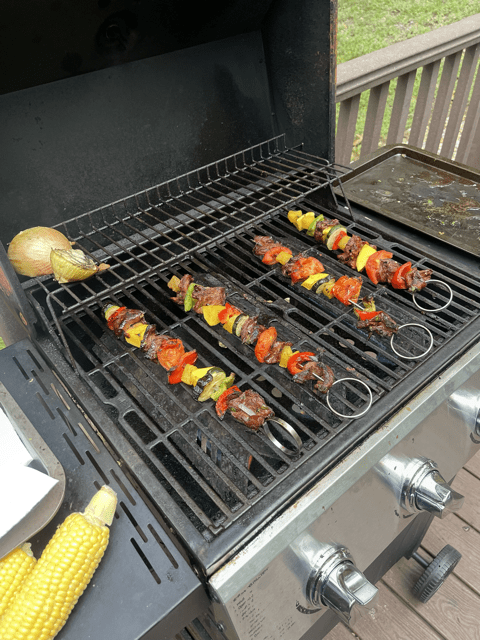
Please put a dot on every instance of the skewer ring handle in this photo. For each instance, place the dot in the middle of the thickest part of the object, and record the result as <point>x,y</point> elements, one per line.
<point>447,286</point>
<point>413,324</point>
<point>289,429</point>
<point>356,415</point>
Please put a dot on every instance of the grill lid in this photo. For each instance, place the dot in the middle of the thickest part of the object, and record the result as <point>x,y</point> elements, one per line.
<point>216,481</point>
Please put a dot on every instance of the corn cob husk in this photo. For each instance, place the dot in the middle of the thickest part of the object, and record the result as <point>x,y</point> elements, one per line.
<point>14,568</point>
<point>51,590</point>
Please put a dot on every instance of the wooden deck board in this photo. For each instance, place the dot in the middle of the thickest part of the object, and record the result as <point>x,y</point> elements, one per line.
<point>453,613</point>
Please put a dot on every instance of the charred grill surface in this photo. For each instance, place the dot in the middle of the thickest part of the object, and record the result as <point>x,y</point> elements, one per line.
<point>224,480</point>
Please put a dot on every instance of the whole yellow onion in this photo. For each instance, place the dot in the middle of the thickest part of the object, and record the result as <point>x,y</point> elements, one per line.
<point>29,251</point>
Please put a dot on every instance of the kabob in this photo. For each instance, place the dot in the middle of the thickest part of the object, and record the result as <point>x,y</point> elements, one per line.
<point>209,383</point>
<point>309,272</point>
<point>303,366</point>
<point>379,265</point>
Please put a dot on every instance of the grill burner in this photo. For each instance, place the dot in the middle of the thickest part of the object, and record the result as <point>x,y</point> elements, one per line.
<point>216,480</point>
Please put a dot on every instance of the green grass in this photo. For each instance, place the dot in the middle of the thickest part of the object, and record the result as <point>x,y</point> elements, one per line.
<point>364,27</point>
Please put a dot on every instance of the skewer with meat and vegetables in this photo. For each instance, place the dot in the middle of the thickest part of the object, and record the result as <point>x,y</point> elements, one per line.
<point>309,272</point>
<point>209,383</point>
<point>379,265</point>
<point>303,366</point>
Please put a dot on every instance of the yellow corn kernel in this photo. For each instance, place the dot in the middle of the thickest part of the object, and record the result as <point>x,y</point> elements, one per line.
<point>14,568</point>
<point>134,334</point>
<point>51,590</point>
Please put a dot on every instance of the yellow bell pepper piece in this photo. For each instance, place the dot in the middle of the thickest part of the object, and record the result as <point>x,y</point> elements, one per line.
<point>187,375</point>
<point>285,356</point>
<point>307,219</point>
<point>293,215</point>
<point>134,335</point>
<point>210,313</point>
<point>343,242</point>
<point>365,252</point>
<point>228,326</point>
<point>311,280</point>
<point>199,373</point>
<point>174,283</point>
<point>283,257</point>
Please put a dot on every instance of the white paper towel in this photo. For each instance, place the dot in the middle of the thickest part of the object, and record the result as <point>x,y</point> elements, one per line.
<point>12,449</point>
<point>21,487</point>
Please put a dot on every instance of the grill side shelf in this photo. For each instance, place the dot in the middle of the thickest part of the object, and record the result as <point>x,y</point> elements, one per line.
<point>143,577</point>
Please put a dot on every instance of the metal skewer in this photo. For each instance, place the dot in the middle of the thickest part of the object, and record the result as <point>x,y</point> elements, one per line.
<point>447,286</point>
<point>287,427</point>
<point>408,324</point>
<point>327,397</point>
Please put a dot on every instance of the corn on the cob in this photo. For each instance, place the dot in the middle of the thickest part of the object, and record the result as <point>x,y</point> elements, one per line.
<point>14,568</point>
<point>48,595</point>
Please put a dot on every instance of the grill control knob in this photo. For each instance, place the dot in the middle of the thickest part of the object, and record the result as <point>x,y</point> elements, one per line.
<point>335,582</point>
<point>427,490</point>
<point>465,403</point>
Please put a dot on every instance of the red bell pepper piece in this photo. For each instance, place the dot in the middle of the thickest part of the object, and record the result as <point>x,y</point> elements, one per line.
<point>175,376</point>
<point>264,343</point>
<point>294,363</point>
<point>221,405</point>
<point>366,315</point>
<point>346,289</point>
<point>228,312</point>
<point>302,268</point>
<point>340,235</point>
<point>271,255</point>
<point>398,279</point>
<point>170,353</point>
<point>373,263</point>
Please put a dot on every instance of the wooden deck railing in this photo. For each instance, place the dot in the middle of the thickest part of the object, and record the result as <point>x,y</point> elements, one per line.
<point>445,116</point>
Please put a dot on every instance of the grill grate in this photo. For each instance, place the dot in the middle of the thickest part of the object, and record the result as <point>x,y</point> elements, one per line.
<point>223,477</point>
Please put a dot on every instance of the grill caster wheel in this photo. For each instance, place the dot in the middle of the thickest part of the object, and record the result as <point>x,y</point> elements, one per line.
<point>436,572</point>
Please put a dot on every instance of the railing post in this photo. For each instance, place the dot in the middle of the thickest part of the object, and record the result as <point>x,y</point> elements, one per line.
<point>468,151</point>
<point>401,107</point>
<point>423,107</point>
<point>460,99</point>
<point>373,122</point>
<point>442,102</point>
<point>347,121</point>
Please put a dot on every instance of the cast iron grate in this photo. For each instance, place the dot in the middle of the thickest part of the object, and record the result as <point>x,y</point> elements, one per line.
<point>219,473</point>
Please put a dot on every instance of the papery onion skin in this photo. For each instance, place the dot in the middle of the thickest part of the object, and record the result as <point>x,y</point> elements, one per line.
<point>29,251</point>
<point>72,265</point>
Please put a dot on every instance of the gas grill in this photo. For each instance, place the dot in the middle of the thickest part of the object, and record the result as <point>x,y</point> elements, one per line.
<point>220,532</point>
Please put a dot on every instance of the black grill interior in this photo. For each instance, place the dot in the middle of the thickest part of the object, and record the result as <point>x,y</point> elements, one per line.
<point>221,476</point>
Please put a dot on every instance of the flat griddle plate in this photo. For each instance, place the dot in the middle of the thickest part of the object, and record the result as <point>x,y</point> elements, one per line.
<point>426,192</point>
